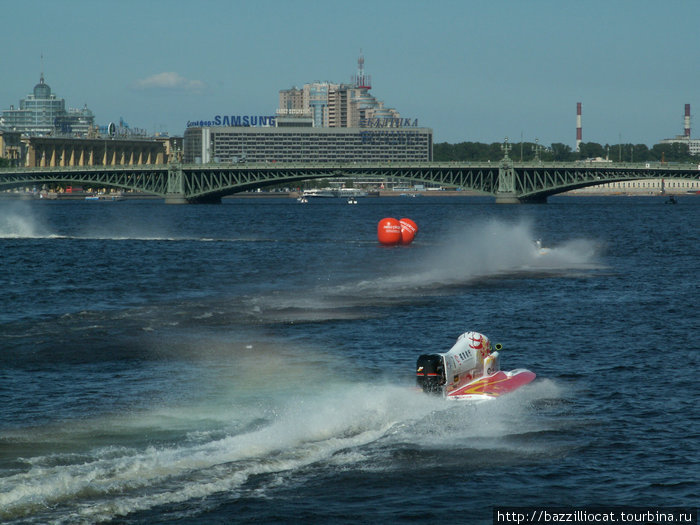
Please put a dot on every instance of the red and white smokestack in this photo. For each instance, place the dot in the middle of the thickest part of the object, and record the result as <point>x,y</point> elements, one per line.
<point>687,120</point>
<point>579,133</point>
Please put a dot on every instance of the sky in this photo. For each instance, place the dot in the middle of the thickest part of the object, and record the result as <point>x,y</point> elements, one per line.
<point>471,70</point>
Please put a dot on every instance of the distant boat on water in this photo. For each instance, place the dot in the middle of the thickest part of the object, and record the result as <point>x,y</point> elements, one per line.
<point>333,193</point>
<point>105,197</point>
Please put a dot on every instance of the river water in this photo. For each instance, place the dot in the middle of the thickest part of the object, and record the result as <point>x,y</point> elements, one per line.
<point>254,361</point>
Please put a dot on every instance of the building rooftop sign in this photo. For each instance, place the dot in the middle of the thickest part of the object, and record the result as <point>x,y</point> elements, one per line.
<point>234,121</point>
<point>388,122</point>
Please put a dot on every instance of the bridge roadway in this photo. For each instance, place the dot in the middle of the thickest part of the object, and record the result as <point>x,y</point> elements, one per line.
<point>507,181</point>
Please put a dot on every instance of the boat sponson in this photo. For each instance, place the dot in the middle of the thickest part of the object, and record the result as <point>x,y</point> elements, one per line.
<point>493,386</point>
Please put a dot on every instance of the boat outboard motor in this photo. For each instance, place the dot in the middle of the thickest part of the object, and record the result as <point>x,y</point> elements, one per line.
<point>430,373</point>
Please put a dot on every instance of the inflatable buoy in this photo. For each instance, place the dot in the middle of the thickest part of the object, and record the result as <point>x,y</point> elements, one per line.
<point>408,230</point>
<point>389,231</point>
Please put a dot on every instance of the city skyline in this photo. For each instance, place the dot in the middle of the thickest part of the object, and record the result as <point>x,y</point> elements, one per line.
<point>471,71</point>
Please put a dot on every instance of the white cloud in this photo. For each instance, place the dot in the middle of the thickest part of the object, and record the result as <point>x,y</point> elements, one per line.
<point>170,81</point>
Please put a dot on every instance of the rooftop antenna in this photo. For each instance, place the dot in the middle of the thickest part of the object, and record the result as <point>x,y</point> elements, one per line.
<point>41,77</point>
<point>361,80</point>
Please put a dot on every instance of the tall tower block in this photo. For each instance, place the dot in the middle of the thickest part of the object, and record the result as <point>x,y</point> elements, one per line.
<point>579,132</point>
<point>686,121</point>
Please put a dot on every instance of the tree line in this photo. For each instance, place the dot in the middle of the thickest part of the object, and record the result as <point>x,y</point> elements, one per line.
<point>557,152</point>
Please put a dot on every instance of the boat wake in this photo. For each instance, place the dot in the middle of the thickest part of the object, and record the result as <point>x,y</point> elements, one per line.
<point>244,443</point>
<point>17,223</point>
<point>493,248</point>
<point>482,252</point>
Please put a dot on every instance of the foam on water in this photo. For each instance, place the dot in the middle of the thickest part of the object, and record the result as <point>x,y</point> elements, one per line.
<point>471,253</point>
<point>496,247</point>
<point>20,220</point>
<point>17,221</point>
<point>341,424</point>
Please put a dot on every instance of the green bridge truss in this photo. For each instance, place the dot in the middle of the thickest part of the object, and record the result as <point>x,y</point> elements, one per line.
<point>507,181</point>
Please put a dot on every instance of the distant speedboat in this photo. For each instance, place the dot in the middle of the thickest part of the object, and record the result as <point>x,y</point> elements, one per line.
<point>541,250</point>
<point>352,200</point>
<point>352,193</point>
<point>333,192</point>
<point>320,193</point>
<point>105,197</point>
<point>469,371</point>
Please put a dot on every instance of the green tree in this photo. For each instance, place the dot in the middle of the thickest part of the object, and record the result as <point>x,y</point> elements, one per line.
<point>495,152</point>
<point>639,153</point>
<point>591,150</point>
<point>558,152</point>
<point>443,152</point>
<point>561,152</point>
<point>675,152</point>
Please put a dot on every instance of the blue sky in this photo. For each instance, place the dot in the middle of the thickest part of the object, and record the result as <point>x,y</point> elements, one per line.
<point>471,70</point>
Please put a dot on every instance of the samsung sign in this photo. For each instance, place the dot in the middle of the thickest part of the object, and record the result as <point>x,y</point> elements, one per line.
<point>234,121</point>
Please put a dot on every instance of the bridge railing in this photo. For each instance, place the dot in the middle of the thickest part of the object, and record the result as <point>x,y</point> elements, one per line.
<point>604,165</point>
<point>452,164</point>
<point>74,169</point>
<point>356,165</point>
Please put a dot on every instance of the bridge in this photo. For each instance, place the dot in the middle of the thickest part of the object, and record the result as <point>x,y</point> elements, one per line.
<point>507,181</point>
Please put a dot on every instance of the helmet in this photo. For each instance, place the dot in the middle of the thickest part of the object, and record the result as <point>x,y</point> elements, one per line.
<point>479,342</point>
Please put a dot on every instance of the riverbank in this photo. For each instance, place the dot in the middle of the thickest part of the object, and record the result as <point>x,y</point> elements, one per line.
<point>294,195</point>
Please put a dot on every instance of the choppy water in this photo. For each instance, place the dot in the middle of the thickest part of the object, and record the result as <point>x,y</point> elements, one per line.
<point>254,361</point>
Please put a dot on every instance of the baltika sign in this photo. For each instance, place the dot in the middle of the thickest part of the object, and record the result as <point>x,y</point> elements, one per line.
<point>392,138</point>
<point>388,122</point>
<point>234,121</point>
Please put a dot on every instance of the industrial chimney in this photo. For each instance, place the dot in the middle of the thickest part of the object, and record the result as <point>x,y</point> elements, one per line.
<point>579,134</point>
<point>687,121</point>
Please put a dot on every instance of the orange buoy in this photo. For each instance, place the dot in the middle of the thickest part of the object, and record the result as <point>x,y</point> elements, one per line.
<point>408,230</point>
<point>389,231</point>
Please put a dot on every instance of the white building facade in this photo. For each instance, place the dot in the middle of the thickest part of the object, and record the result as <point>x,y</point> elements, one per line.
<point>307,144</point>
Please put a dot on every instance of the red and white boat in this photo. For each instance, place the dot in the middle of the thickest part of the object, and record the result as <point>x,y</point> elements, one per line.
<point>470,370</point>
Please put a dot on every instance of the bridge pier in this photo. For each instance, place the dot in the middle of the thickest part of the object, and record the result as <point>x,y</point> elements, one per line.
<point>507,198</point>
<point>505,194</point>
<point>176,185</point>
<point>174,198</point>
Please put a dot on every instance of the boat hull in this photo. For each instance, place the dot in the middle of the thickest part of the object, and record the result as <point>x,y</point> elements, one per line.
<point>491,387</point>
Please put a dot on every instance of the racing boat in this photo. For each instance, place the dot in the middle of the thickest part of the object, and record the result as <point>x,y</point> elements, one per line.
<point>470,370</point>
<point>540,250</point>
